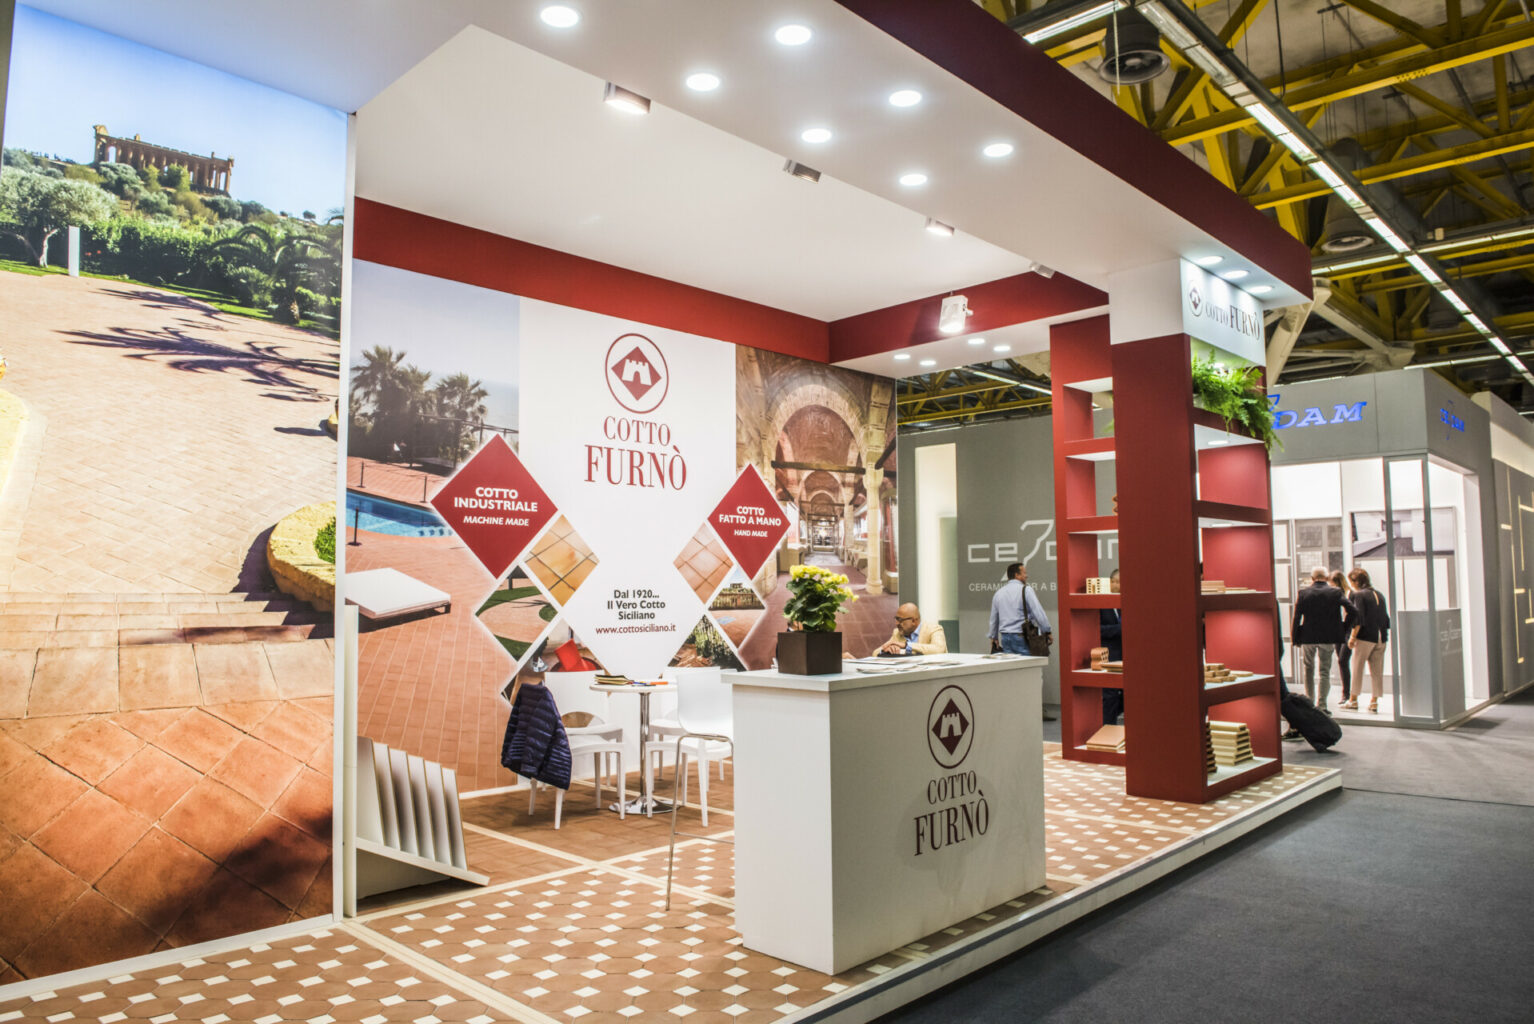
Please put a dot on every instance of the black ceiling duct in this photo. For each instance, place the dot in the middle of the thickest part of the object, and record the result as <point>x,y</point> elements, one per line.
<point>1131,50</point>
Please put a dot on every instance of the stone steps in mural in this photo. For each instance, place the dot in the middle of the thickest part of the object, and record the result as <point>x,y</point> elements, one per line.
<point>114,620</point>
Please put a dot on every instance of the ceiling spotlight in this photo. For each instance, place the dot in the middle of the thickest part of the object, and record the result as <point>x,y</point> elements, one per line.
<point>929,362</point>
<point>937,227</point>
<point>1233,275</point>
<point>560,16</point>
<point>1035,267</point>
<point>799,170</point>
<point>905,98</point>
<point>1260,289</point>
<point>793,35</point>
<point>996,150</point>
<point>951,316</point>
<point>1209,261</point>
<point>618,97</point>
<point>901,357</point>
<point>1002,348</point>
<point>815,136</point>
<point>913,179</point>
<point>703,81</point>
<point>977,341</point>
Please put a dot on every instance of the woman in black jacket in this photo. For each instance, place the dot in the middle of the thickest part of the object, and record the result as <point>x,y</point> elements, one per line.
<point>1371,629</point>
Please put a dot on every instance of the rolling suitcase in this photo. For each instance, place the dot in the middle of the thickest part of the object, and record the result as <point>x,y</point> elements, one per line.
<point>1318,728</point>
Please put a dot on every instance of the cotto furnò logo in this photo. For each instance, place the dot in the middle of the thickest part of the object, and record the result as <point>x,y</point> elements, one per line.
<point>1195,301</point>
<point>637,374</point>
<point>950,727</point>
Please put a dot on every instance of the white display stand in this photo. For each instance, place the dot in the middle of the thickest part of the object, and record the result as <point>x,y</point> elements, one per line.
<point>409,831</point>
<point>857,830</point>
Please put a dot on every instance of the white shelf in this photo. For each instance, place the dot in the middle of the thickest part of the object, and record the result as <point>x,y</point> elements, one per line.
<point>1095,386</point>
<point>1236,771</point>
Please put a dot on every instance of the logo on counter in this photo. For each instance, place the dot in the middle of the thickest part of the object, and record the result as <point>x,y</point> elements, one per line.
<point>950,727</point>
<point>637,374</point>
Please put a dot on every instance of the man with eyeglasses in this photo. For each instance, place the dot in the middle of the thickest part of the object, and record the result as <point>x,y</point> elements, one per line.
<point>912,636</point>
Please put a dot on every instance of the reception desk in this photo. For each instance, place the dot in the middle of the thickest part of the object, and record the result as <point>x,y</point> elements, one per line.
<point>873,809</point>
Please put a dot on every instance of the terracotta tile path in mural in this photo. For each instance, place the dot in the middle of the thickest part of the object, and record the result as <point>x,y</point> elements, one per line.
<point>573,924</point>
<point>864,624</point>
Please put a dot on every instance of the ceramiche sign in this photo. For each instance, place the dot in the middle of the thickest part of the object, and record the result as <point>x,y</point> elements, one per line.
<point>1217,312</point>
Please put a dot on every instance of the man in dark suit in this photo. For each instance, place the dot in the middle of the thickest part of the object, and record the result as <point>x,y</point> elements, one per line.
<point>1318,625</point>
<point>1110,629</point>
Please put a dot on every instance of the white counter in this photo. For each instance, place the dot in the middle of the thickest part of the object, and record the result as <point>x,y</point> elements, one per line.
<point>874,809</point>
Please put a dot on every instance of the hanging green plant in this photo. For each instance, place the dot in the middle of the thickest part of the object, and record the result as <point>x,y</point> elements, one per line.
<point>1237,396</point>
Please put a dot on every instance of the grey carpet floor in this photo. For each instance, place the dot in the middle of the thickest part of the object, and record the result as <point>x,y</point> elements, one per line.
<point>1407,897</point>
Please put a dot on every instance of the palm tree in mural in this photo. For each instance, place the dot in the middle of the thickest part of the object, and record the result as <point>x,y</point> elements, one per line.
<point>391,397</point>
<point>285,261</point>
<point>461,402</point>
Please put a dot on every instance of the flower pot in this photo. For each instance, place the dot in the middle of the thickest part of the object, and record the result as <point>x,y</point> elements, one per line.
<point>809,654</point>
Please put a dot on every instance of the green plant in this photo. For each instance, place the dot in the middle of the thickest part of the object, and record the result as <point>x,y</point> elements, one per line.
<point>1237,396</point>
<point>325,542</point>
<point>176,177</point>
<point>37,207</point>
<point>817,595</point>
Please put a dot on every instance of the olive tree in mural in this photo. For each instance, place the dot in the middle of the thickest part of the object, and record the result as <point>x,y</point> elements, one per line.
<point>35,207</point>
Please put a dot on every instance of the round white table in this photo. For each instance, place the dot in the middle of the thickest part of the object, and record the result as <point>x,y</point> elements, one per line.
<point>646,803</point>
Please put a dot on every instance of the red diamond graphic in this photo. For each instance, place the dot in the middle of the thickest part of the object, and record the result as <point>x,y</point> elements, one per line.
<point>749,521</point>
<point>494,505</point>
<point>636,373</point>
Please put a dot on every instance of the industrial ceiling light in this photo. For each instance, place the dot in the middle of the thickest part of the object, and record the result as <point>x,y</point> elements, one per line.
<point>816,136</point>
<point>997,150</point>
<point>1131,50</point>
<point>619,98</point>
<point>793,35</point>
<point>953,313</point>
<point>1060,16</point>
<point>1016,382</point>
<point>1343,232</point>
<point>905,98</point>
<point>937,227</point>
<point>799,170</point>
<point>560,16</point>
<point>703,81</point>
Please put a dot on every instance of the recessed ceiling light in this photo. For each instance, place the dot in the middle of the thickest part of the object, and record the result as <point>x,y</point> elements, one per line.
<point>901,357</point>
<point>1233,275</point>
<point>996,150</point>
<point>1209,261</point>
<point>815,136</point>
<point>913,179</point>
<point>560,16</point>
<point>929,362</point>
<point>977,341</point>
<point>937,227</point>
<point>1260,289</point>
<point>703,81</point>
<point>793,35</point>
<point>905,98</point>
<point>1002,348</point>
<point>619,98</point>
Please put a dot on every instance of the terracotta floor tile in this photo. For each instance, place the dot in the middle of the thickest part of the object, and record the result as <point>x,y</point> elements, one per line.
<point>320,899</point>
<point>39,622</point>
<point>150,620</point>
<point>307,803</point>
<point>142,637</point>
<point>294,731</point>
<point>157,676</point>
<point>22,639</point>
<point>36,792</point>
<point>156,879</point>
<point>91,834</point>
<point>226,906</point>
<point>15,681</point>
<point>93,749</point>
<point>199,739</point>
<point>12,754</point>
<point>211,818</point>
<point>93,930</point>
<point>279,859</point>
<point>72,680</point>
<point>146,725</point>
<point>234,672</point>
<point>37,733</point>
<point>150,782</point>
<point>83,638</point>
<point>34,891</point>
<point>256,769</point>
<point>305,669</point>
<point>244,716</point>
<point>86,622</point>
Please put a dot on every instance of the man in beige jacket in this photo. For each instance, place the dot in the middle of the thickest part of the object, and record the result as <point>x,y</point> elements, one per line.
<point>912,636</point>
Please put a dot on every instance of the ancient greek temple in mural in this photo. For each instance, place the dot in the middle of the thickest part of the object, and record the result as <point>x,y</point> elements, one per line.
<point>210,173</point>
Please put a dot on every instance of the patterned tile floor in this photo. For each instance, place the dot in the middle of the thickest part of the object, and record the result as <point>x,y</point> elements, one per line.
<point>703,563</point>
<point>561,560</point>
<point>573,926</point>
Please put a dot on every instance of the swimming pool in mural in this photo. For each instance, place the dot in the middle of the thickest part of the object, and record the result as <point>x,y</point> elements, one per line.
<point>380,515</point>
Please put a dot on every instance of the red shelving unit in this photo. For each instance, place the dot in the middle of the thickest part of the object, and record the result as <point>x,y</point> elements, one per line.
<point>1191,492</point>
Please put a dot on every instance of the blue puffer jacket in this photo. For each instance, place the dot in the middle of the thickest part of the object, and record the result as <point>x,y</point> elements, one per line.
<point>536,746</point>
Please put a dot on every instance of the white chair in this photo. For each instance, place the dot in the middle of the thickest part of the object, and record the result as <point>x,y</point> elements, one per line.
<point>587,734</point>
<point>705,710</point>
<point>704,751</point>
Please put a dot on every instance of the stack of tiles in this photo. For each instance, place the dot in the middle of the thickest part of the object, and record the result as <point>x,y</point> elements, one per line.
<point>1109,738</point>
<point>1099,655</point>
<point>1212,587</point>
<point>1099,585</point>
<point>1232,742</point>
